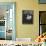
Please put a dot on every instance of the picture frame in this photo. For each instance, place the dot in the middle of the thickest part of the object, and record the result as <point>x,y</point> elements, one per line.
<point>27,17</point>
<point>42,1</point>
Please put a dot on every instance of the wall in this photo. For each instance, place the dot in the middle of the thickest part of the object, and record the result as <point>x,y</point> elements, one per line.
<point>28,31</point>
<point>32,30</point>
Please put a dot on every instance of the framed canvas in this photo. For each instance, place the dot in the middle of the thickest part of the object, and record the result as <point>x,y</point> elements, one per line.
<point>7,20</point>
<point>27,17</point>
<point>42,1</point>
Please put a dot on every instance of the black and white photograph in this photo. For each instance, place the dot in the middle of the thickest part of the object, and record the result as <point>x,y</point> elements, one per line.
<point>27,17</point>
